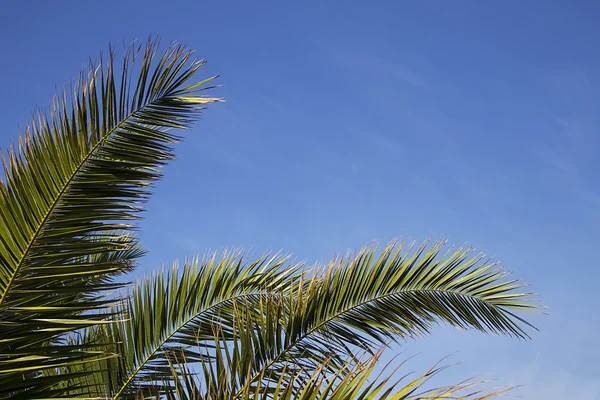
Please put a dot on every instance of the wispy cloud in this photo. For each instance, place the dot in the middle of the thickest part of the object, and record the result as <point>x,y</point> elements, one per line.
<point>548,383</point>
<point>570,146</point>
<point>371,65</point>
<point>384,143</point>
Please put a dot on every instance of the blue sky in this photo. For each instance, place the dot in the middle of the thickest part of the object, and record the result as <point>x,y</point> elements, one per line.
<point>347,122</point>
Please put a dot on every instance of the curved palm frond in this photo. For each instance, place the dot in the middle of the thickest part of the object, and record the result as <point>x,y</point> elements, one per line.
<point>78,174</point>
<point>173,311</point>
<point>312,320</point>
<point>367,300</point>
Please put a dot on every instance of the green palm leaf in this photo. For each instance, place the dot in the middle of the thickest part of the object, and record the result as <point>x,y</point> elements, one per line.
<point>173,311</point>
<point>290,326</point>
<point>366,300</point>
<point>80,173</point>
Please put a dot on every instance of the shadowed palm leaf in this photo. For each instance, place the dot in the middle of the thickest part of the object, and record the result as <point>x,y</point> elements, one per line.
<point>77,176</point>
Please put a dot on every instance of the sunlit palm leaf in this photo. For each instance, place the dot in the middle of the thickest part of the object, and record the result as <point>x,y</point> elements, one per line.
<point>367,300</point>
<point>319,319</point>
<point>176,309</point>
<point>79,173</point>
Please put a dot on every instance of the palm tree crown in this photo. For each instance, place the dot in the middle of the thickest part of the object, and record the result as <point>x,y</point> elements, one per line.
<point>226,326</point>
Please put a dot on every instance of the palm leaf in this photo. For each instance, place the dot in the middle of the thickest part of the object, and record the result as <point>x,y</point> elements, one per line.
<point>317,319</point>
<point>366,300</point>
<point>173,311</point>
<point>79,173</point>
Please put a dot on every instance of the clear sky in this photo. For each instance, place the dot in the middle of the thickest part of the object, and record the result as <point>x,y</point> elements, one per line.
<point>352,121</point>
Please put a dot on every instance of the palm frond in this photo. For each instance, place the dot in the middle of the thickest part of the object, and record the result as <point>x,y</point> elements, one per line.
<point>366,300</point>
<point>174,310</point>
<point>311,320</point>
<point>79,173</point>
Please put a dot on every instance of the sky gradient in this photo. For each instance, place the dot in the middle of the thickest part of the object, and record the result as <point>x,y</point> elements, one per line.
<point>347,122</point>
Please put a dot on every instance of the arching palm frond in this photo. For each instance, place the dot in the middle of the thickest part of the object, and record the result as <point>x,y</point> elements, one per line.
<point>173,311</point>
<point>297,323</point>
<point>366,300</point>
<point>78,174</point>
